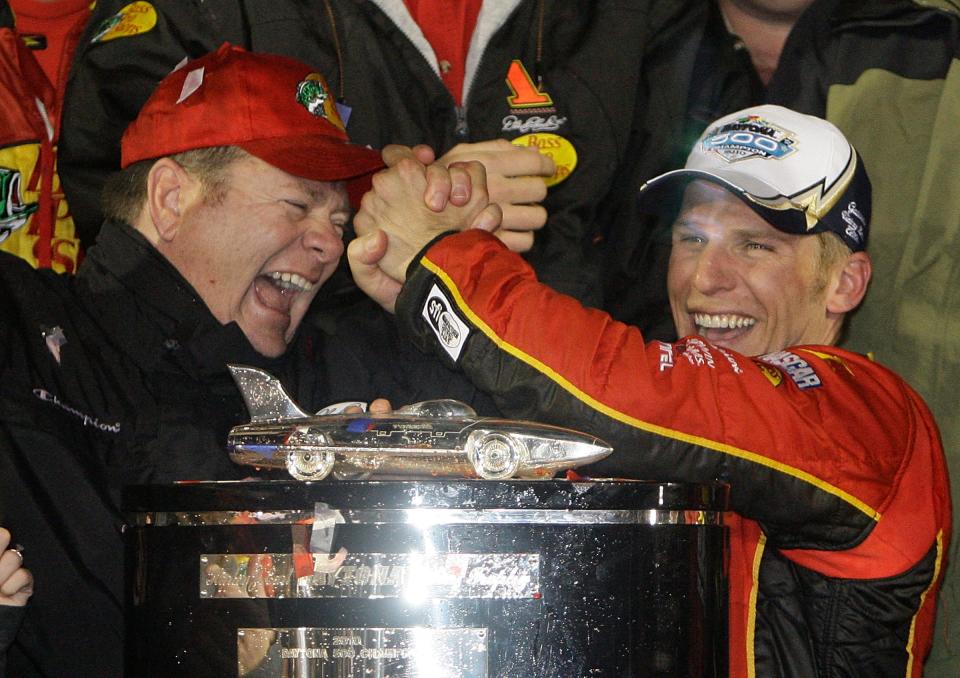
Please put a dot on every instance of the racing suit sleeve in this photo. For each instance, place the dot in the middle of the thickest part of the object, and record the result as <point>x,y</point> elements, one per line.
<point>779,429</point>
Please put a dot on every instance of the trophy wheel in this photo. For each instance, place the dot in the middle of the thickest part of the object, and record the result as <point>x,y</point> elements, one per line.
<point>310,464</point>
<point>495,456</point>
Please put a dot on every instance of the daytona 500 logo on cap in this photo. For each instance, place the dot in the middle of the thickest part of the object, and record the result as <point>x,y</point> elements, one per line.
<point>749,137</point>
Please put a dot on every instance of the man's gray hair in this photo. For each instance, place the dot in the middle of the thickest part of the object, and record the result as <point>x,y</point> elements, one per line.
<point>125,192</point>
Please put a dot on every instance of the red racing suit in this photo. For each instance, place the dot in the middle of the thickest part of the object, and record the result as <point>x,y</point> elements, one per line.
<point>35,222</point>
<point>841,509</point>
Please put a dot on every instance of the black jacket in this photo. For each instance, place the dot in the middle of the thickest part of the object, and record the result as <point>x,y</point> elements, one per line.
<point>138,394</point>
<point>590,55</point>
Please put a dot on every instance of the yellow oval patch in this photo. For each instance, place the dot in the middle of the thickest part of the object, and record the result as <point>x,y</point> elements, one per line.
<point>134,19</point>
<point>555,147</point>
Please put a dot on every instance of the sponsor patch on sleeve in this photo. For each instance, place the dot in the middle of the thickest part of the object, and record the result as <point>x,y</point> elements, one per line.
<point>798,369</point>
<point>446,325</point>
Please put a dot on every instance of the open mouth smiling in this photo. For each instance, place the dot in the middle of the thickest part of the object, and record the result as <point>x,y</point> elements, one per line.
<point>722,321</point>
<point>290,282</point>
<point>280,289</point>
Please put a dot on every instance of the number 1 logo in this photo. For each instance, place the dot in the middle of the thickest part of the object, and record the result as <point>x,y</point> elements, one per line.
<point>525,93</point>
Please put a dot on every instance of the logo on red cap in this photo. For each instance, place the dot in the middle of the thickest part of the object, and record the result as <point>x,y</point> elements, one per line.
<point>312,94</point>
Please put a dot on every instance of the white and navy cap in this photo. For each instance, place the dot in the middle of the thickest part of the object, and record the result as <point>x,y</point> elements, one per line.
<point>798,172</point>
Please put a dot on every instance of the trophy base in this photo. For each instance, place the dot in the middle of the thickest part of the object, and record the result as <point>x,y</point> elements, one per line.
<point>426,579</point>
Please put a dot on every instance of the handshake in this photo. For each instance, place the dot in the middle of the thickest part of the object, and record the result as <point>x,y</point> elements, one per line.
<point>493,185</point>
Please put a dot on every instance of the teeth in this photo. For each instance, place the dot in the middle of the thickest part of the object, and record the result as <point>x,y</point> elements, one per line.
<point>291,282</point>
<point>722,321</point>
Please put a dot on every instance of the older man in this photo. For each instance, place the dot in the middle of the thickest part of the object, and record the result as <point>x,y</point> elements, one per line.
<point>224,225</point>
<point>842,511</point>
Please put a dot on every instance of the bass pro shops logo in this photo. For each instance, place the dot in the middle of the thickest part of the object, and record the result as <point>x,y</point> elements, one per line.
<point>450,330</point>
<point>13,211</point>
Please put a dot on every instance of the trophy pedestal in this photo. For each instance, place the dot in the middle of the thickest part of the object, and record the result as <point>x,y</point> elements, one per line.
<point>426,579</point>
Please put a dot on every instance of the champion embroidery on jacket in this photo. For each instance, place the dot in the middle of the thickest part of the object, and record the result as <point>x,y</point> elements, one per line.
<point>87,420</point>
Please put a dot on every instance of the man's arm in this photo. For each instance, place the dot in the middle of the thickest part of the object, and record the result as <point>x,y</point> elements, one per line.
<point>690,411</point>
<point>453,198</point>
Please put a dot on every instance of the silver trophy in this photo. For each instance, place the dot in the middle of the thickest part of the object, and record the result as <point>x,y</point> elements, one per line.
<point>434,438</point>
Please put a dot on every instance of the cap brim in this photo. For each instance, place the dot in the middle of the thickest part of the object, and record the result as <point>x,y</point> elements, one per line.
<point>320,158</point>
<point>746,187</point>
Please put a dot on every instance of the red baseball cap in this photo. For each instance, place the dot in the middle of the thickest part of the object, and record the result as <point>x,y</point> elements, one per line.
<point>275,108</point>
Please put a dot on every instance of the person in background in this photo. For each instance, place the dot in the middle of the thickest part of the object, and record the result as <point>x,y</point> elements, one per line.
<point>37,41</point>
<point>841,506</point>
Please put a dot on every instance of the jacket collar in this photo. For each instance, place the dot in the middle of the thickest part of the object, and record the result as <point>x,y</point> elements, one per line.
<point>152,311</point>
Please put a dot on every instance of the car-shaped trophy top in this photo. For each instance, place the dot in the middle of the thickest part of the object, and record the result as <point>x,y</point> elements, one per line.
<point>434,438</point>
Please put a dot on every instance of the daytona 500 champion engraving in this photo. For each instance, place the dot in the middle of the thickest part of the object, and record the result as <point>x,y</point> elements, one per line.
<point>433,438</point>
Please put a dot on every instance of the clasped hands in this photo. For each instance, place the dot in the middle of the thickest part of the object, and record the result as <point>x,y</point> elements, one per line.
<point>491,185</point>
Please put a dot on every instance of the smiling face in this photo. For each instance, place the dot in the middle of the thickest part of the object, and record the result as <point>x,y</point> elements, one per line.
<point>258,250</point>
<point>744,285</point>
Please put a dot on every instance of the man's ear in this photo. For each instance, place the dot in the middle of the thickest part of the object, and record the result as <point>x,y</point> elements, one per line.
<point>850,286</point>
<point>169,191</point>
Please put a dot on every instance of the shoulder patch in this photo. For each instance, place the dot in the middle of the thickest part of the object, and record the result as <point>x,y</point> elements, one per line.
<point>446,325</point>
<point>134,19</point>
<point>798,369</point>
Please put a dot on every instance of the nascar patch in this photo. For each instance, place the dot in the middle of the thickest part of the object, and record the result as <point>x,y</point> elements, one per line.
<point>445,323</point>
<point>798,369</point>
<point>134,19</point>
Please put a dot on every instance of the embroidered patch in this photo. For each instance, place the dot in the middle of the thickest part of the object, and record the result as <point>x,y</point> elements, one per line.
<point>798,369</point>
<point>134,19</point>
<point>855,221</point>
<point>534,118</point>
<point>14,212</point>
<point>450,330</point>
<point>555,147</point>
<point>86,419</point>
<point>312,94</point>
<point>749,137</point>
<point>524,93</point>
